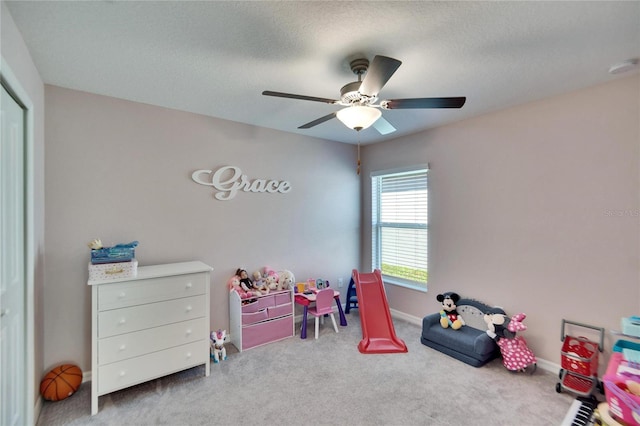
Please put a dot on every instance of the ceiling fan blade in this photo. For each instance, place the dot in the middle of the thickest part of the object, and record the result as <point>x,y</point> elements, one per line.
<point>301,97</point>
<point>318,121</point>
<point>425,103</point>
<point>383,126</point>
<point>379,72</point>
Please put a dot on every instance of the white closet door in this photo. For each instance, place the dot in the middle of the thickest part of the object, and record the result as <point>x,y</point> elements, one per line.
<point>12,263</point>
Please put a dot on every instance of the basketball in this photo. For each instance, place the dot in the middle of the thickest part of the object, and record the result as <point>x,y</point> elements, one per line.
<point>61,382</point>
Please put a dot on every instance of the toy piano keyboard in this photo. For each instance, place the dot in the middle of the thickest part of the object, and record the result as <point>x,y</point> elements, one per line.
<point>581,412</point>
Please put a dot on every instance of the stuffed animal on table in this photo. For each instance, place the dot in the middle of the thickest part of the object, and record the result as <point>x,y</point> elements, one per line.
<point>286,280</point>
<point>516,355</point>
<point>218,351</point>
<point>449,316</point>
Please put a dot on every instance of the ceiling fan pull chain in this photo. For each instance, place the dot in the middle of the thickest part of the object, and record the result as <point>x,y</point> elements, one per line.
<point>358,170</point>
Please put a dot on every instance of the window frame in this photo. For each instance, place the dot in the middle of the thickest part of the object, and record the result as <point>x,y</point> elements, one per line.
<point>377,225</point>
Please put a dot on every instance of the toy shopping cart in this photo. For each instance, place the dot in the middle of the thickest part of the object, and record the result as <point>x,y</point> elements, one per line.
<point>579,361</point>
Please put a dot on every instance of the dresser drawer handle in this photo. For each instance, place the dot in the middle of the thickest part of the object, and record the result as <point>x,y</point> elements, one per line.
<point>188,332</point>
<point>121,295</point>
<point>188,354</point>
<point>122,373</point>
<point>189,285</point>
<point>189,308</point>
<point>123,347</point>
<point>123,320</point>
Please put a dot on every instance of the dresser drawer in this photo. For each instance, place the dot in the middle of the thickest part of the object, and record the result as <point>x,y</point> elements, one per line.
<point>127,320</point>
<point>125,373</point>
<point>129,345</point>
<point>124,294</point>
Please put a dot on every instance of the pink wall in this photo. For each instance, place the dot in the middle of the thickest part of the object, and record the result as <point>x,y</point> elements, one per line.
<point>121,171</point>
<point>534,208</point>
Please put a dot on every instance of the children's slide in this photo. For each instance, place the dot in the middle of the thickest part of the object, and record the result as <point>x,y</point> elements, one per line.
<point>378,334</point>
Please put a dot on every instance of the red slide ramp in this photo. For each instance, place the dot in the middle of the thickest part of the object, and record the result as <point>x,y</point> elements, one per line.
<point>378,334</point>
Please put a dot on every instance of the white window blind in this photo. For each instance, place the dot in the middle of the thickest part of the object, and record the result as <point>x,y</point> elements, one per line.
<point>400,226</point>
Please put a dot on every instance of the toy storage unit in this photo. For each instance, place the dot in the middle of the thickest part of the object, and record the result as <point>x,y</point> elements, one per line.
<point>265,319</point>
<point>623,405</point>
<point>148,326</point>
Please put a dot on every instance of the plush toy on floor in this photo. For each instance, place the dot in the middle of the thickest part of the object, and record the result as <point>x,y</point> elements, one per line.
<point>218,351</point>
<point>516,355</point>
<point>449,316</point>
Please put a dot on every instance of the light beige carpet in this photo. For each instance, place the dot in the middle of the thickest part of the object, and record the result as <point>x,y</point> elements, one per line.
<point>328,382</point>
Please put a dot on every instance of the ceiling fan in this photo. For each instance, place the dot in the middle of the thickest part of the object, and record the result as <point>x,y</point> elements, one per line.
<point>359,97</point>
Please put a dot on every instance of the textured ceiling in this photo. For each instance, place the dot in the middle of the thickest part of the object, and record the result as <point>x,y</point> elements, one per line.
<point>216,58</point>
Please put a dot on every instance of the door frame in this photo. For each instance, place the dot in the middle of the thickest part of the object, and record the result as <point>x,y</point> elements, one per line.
<point>13,86</point>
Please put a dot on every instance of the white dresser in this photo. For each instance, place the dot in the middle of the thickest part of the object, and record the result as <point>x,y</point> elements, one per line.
<point>148,326</point>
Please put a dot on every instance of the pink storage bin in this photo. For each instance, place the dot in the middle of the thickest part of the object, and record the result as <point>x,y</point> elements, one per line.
<point>266,332</point>
<point>623,405</point>
<point>267,301</point>
<point>261,303</point>
<point>278,311</point>
<point>254,317</point>
<point>282,298</point>
<point>250,307</point>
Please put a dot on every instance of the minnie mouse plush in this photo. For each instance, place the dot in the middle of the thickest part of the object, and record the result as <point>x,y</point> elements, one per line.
<point>516,355</point>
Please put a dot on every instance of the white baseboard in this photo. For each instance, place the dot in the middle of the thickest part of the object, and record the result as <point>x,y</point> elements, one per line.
<point>37,409</point>
<point>408,318</point>
<point>552,367</point>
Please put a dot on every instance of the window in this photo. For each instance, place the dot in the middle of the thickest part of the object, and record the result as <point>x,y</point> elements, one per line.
<point>399,226</point>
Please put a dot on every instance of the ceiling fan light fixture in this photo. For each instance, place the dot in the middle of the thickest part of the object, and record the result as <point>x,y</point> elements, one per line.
<point>624,66</point>
<point>358,117</point>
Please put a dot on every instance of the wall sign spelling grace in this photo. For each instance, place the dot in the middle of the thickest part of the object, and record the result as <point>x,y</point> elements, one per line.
<point>228,180</point>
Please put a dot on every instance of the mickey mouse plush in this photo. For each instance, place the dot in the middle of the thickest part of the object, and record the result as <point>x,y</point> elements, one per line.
<point>449,316</point>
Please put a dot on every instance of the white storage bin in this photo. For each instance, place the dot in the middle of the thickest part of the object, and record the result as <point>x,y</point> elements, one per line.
<point>110,271</point>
